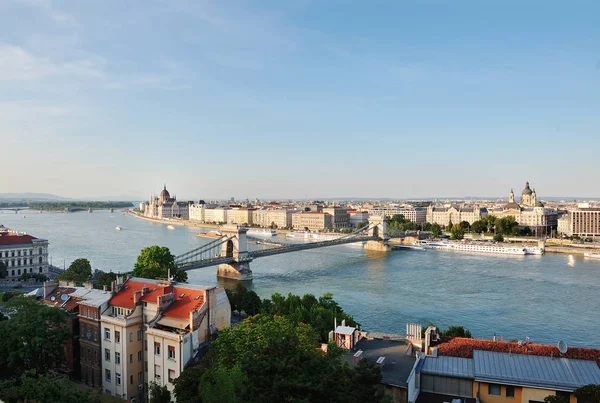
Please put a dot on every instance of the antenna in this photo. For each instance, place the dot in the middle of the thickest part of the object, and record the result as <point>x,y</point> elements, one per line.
<point>562,347</point>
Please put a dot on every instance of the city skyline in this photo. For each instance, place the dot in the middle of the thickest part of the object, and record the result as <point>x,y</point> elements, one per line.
<point>299,100</point>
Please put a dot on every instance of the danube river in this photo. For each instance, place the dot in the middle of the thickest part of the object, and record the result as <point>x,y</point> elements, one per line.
<point>548,298</point>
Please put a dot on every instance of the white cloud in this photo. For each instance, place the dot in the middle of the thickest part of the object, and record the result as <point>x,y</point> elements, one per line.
<point>48,8</point>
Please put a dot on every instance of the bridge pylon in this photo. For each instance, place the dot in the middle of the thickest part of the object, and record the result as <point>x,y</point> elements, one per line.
<point>237,248</point>
<point>378,229</point>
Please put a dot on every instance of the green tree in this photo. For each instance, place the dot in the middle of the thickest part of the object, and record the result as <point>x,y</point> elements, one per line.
<point>449,226</point>
<point>103,279</point>
<point>465,225</point>
<point>457,331</point>
<point>222,385</point>
<point>588,394</point>
<point>79,270</point>
<point>426,226</point>
<point>499,238</point>
<point>436,230</point>
<point>31,387</point>
<point>556,399</point>
<point>156,262</point>
<point>158,393</point>
<point>26,276</point>
<point>187,384</point>
<point>250,303</point>
<point>490,221</point>
<point>478,227</point>
<point>457,232</point>
<point>34,337</point>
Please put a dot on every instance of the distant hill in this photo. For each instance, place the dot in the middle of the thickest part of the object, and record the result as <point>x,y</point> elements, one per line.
<point>51,197</point>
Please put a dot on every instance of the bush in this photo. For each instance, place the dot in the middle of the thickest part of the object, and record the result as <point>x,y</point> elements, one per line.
<point>499,238</point>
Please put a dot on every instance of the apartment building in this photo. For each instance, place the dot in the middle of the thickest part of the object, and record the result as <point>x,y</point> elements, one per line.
<point>216,215</point>
<point>356,217</point>
<point>455,214</point>
<point>239,216</point>
<point>583,222</point>
<point>22,253</point>
<point>339,217</point>
<point>266,218</point>
<point>152,328</point>
<point>418,215</point>
<point>312,220</point>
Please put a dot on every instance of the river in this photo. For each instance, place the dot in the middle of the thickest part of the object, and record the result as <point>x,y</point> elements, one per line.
<point>548,298</point>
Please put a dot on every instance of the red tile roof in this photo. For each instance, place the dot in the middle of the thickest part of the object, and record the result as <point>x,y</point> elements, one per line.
<point>183,305</point>
<point>12,238</point>
<point>461,347</point>
<point>124,298</point>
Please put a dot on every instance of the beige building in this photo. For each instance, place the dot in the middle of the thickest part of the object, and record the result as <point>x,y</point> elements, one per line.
<point>216,215</point>
<point>239,216</point>
<point>530,212</point>
<point>455,214</point>
<point>418,215</point>
<point>339,217</point>
<point>312,220</point>
<point>22,253</point>
<point>152,328</point>
<point>265,218</point>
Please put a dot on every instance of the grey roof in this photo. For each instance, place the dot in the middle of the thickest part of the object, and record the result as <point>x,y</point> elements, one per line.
<point>535,371</point>
<point>448,366</point>
<point>398,360</point>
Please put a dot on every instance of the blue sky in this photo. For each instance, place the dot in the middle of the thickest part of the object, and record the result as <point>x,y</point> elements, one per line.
<point>297,99</point>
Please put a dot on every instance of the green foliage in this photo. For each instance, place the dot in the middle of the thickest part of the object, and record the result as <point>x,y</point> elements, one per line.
<point>507,226</point>
<point>465,225</point>
<point>57,205</point>
<point>479,226</point>
<point>79,271</point>
<point>31,387</point>
<point>426,226</point>
<point>187,384</point>
<point>436,230</point>
<point>158,394</point>
<point>272,358</point>
<point>8,295</point>
<point>102,279</point>
<point>457,331</point>
<point>588,394</point>
<point>361,224</point>
<point>556,399</point>
<point>457,232</point>
<point>499,238</point>
<point>235,297</point>
<point>156,262</point>
<point>250,303</point>
<point>397,223</point>
<point>34,337</point>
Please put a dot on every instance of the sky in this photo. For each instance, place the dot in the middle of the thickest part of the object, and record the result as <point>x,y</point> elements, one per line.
<point>300,98</point>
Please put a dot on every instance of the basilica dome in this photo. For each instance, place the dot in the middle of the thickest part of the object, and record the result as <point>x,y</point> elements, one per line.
<point>527,190</point>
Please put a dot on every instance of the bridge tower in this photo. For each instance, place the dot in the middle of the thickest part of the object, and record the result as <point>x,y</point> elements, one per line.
<point>378,229</point>
<point>237,248</point>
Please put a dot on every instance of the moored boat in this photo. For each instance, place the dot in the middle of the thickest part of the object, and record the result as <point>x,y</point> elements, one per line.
<point>592,255</point>
<point>262,232</point>
<point>170,227</point>
<point>119,228</point>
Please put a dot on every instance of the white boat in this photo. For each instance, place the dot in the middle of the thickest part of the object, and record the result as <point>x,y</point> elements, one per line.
<point>301,235</point>
<point>118,228</point>
<point>534,251</point>
<point>170,227</point>
<point>262,232</point>
<point>592,255</point>
<point>473,247</point>
<point>411,247</point>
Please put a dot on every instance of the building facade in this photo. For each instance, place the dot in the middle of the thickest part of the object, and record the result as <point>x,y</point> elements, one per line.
<point>418,215</point>
<point>152,328</point>
<point>356,217</point>
<point>339,217</point>
<point>312,220</point>
<point>583,222</point>
<point>165,206</point>
<point>22,253</point>
<point>266,218</point>
<point>239,216</point>
<point>454,214</point>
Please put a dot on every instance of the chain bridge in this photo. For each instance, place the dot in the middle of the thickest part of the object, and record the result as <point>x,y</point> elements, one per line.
<point>230,251</point>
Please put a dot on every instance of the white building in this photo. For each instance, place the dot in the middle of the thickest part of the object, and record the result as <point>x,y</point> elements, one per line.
<point>265,218</point>
<point>152,328</point>
<point>357,217</point>
<point>418,215</point>
<point>22,253</point>
<point>166,206</point>
<point>583,222</point>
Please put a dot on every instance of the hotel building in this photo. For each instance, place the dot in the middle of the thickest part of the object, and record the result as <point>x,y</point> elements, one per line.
<point>22,253</point>
<point>583,222</point>
<point>312,220</point>
<point>418,215</point>
<point>265,218</point>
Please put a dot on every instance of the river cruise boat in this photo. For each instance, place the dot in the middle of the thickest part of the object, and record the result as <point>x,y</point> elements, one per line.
<point>592,255</point>
<point>473,247</point>
<point>261,232</point>
<point>533,251</point>
<point>210,234</point>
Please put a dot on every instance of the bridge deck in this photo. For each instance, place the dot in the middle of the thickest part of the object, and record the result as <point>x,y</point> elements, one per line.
<point>311,245</point>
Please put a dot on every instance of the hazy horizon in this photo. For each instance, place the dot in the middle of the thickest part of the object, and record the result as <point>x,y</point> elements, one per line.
<point>299,99</point>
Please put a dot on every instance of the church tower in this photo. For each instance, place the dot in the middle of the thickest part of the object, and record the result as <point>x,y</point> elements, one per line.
<point>511,197</point>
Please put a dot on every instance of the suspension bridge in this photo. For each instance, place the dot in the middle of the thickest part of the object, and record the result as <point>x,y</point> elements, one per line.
<point>230,252</point>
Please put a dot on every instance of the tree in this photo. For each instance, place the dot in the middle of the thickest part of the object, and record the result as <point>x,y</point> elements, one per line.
<point>465,225</point>
<point>222,385</point>
<point>158,393</point>
<point>457,232</point>
<point>26,276</point>
<point>103,279</point>
<point>157,262</point>
<point>79,270</point>
<point>588,394</point>
<point>449,226</point>
<point>250,303</point>
<point>34,337</point>
<point>186,385</point>
<point>478,226</point>
<point>31,387</point>
<point>426,226</point>
<point>436,230</point>
<point>556,399</point>
<point>457,331</point>
<point>499,238</point>
<point>3,270</point>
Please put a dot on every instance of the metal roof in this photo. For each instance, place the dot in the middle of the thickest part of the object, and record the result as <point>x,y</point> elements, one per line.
<point>535,371</point>
<point>344,330</point>
<point>448,366</point>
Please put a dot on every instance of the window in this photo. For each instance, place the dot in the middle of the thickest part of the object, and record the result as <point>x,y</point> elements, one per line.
<point>106,333</point>
<point>107,375</point>
<point>117,378</point>
<point>157,372</point>
<point>130,337</point>
<point>156,348</point>
<point>131,379</point>
<point>510,391</point>
<point>131,358</point>
<point>494,389</point>
<point>140,377</point>
<point>117,358</point>
<point>140,335</point>
<point>117,336</point>
<point>106,354</point>
<point>172,352</point>
<point>171,375</point>
<point>139,356</point>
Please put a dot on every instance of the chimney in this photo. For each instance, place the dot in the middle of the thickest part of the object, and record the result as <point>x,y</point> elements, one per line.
<point>343,322</point>
<point>137,296</point>
<point>104,288</point>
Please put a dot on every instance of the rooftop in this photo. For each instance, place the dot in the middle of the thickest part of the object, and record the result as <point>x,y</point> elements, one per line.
<point>14,238</point>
